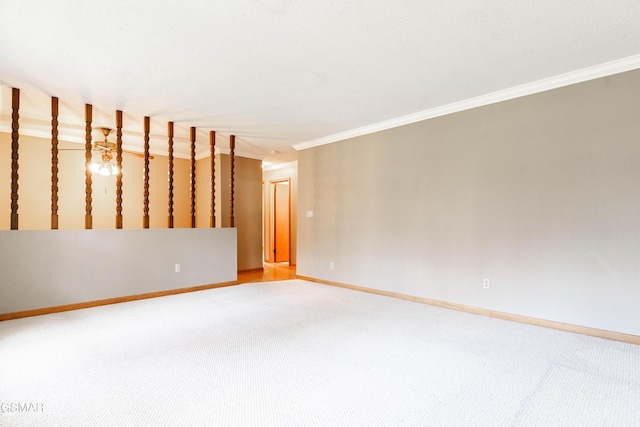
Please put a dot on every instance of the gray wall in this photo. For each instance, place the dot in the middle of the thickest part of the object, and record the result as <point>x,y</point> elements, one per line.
<point>540,194</point>
<point>46,268</point>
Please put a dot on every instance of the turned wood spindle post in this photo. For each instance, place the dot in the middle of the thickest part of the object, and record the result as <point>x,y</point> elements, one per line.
<point>54,163</point>
<point>15,107</point>
<point>88,117</point>
<point>170,132</point>
<point>212,150</point>
<point>145,217</point>
<point>119,163</point>
<point>193,177</point>
<point>232,159</point>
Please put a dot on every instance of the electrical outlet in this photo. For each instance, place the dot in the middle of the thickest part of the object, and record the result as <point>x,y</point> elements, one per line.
<point>331,265</point>
<point>486,283</point>
<point>177,268</point>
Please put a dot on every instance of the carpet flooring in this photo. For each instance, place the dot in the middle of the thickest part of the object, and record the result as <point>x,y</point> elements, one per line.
<point>295,353</point>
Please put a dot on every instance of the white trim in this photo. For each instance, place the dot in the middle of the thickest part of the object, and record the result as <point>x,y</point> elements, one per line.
<point>590,73</point>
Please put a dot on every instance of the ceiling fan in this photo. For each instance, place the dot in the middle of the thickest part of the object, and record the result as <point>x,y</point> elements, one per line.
<point>109,147</point>
<point>106,166</point>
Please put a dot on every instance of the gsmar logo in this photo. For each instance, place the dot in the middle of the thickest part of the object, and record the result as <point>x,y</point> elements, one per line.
<point>8,407</point>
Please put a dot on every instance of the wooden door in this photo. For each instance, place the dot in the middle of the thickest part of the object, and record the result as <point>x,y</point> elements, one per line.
<point>281,221</point>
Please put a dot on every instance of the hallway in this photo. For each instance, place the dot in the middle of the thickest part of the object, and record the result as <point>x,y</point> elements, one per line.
<point>272,272</point>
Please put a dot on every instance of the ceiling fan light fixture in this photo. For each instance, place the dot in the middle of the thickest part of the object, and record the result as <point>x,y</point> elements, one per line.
<point>106,166</point>
<point>104,170</point>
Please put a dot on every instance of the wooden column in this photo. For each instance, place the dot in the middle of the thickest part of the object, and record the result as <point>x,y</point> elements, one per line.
<point>212,153</point>
<point>193,177</point>
<point>119,163</point>
<point>145,217</point>
<point>170,132</point>
<point>54,163</point>
<point>15,106</point>
<point>232,159</point>
<point>88,117</point>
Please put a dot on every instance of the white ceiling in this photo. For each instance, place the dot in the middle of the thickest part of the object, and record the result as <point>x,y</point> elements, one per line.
<point>282,72</point>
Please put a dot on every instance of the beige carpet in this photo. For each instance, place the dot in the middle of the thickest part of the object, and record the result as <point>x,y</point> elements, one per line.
<point>296,353</point>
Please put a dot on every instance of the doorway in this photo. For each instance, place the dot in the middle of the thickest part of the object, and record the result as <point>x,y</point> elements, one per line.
<point>277,221</point>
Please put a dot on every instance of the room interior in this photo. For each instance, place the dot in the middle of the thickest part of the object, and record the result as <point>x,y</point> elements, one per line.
<point>465,159</point>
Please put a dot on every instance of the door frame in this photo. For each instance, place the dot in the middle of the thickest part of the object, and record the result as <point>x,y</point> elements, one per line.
<point>270,219</point>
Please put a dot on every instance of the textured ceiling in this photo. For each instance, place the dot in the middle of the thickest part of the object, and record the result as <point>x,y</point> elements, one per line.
<point>282,72</point>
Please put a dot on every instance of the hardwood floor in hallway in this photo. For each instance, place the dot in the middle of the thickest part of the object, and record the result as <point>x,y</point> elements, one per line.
<point>272,272</point>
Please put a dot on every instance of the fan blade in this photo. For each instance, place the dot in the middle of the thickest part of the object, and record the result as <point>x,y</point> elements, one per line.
<point>133,153</point>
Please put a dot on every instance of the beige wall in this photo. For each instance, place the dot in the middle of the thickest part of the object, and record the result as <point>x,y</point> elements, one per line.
<point>247,206</point>
<point>539,194</point>
<point>248,212</point>
<point>35,189</point>
<point>203,193</point>
<point>290,172</point>
<point>247,203</point>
